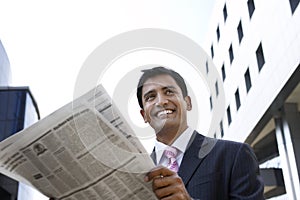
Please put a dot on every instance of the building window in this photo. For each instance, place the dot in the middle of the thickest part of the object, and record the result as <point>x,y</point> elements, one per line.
<point>206,65</point>
<point>218,33</point>
<point>294,4</point>
<point>240,31</point>
<point>230,54</point>
<point>221,128</point>
<point>225,13</point>
<point>228,115</point>
<point>260,57</point>
<point>212,51</point>
<point>237,99</point>
<point>251,7</point>
<point>223,72</point>
<point>211,103</point>
<point>247,80</point>
<point>217,88</point>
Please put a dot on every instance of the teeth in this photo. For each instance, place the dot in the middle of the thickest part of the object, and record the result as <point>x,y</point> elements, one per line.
<point>164,112</point>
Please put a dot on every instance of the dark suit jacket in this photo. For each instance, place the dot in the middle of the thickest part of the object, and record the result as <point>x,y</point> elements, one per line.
<point>219,169</point>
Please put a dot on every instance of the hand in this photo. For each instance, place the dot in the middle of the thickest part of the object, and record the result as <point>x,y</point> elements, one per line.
<point>166,184</point>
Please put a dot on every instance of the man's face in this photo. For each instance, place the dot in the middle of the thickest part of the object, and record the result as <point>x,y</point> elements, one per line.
<point>164,106</point>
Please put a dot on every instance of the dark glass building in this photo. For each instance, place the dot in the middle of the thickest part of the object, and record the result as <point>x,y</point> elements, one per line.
<point>18,110</point>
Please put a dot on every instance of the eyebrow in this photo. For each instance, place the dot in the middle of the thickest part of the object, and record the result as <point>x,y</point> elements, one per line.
<point>164,88</point>
<point>169,87</point>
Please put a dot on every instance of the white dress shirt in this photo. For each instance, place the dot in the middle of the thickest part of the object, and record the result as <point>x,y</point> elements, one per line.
<point>180,143</point>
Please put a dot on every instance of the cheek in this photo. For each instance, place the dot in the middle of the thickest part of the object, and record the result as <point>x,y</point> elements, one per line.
<point>147,109</point>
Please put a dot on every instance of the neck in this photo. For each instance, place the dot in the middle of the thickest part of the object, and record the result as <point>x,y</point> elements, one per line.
<point>168,136</point>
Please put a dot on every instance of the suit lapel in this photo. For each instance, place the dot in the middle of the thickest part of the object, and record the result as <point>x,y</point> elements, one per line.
<point>153,156</point>
<point>198,148</point>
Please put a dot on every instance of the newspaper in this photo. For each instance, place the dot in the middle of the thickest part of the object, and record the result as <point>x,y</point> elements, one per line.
<point>84,150</point>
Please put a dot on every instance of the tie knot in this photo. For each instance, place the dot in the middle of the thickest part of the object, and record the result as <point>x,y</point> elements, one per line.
<point>170,152</point>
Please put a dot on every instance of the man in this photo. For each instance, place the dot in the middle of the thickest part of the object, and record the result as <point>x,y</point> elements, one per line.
<point>207,168</point>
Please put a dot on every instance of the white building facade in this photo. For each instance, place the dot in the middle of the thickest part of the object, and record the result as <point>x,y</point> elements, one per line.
<point>255,46</point>
<point>5,72</point>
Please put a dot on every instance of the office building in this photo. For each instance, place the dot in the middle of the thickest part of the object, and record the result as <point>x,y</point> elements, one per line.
<point>5,73</point>
<point>18,110</point>
<point>255,47</point>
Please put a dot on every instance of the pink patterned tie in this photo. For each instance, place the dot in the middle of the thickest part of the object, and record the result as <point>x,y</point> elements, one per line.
<point>171,153</point>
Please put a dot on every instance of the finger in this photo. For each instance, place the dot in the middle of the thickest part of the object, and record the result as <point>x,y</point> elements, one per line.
<point>164,192</point>
<point>169,191</point>
<point>171,197</point>
<point>158,172</point>
<point>154,172</point>
<point>166,181</point>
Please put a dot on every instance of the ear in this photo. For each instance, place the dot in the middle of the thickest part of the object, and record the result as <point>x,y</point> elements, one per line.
<point>188,101</point>
<point>144,115</point>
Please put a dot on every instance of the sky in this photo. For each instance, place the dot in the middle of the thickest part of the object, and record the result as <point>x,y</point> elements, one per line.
<point>47,42</point>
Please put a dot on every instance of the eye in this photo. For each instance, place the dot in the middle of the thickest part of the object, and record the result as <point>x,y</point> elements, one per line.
<point>169,92</point>
<point>149,97</point>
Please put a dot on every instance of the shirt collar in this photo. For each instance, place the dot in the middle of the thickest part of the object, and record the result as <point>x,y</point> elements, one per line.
<point>180,143</point>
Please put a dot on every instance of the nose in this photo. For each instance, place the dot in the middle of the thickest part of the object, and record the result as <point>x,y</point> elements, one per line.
<point>161,100</point>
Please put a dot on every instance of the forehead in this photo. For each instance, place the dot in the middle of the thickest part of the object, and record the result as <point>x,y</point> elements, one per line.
<point>159,82</point>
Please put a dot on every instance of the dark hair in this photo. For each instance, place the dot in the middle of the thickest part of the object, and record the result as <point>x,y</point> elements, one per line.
<point>149,73</point>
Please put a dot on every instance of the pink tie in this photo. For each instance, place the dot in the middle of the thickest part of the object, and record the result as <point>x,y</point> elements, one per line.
<point>171,153</point>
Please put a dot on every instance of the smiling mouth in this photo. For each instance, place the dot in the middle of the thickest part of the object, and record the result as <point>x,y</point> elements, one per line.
<point>164,113</point>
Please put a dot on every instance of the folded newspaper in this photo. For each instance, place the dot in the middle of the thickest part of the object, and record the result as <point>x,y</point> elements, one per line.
<point>84,150</point>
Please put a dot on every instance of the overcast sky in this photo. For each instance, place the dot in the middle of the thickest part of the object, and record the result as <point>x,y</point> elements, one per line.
<point>48,41</point>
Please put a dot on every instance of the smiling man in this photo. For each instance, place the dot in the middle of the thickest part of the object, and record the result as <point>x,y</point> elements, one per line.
<point>164,107</point>
<point>229,170</point>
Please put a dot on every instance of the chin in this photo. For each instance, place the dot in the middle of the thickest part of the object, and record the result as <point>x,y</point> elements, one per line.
<point>166,127</point>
